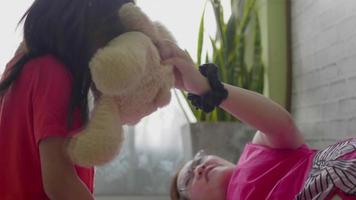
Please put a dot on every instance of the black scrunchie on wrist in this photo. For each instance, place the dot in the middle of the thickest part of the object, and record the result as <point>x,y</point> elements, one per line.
<point>208,101</point>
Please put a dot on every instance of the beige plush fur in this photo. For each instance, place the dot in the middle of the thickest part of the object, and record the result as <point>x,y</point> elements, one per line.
<point>133,82</point>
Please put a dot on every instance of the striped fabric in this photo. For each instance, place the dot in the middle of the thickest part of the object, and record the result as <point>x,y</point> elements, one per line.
<point>330,173</point>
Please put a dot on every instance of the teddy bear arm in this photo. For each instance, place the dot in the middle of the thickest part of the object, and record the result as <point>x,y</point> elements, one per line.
<point>101,139</point>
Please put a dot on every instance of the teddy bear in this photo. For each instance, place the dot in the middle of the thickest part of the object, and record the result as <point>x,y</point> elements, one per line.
<point>132,81</point>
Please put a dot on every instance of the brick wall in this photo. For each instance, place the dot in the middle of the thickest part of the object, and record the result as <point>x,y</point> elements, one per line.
<point>324,68</point>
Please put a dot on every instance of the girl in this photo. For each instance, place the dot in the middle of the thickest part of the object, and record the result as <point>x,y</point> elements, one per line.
<point>276,165</point>
<point>43,99</point>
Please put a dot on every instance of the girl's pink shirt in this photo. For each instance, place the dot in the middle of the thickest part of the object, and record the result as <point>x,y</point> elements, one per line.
<point>266,173</point>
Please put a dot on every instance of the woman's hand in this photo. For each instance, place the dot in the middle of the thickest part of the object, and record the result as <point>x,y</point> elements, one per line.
<point>187,76</point>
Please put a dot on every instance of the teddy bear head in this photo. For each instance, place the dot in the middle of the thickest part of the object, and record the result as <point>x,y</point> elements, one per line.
<point>129,68</point>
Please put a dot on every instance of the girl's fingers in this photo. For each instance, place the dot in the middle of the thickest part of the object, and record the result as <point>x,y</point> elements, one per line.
<point>186,53</point>
<point>169,49</point>
<point>176,62</point>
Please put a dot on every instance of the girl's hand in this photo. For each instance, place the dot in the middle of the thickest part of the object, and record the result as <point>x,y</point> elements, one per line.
<point>187,76</point>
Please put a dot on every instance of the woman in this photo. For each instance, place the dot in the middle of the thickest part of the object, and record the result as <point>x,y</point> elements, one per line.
<point>44,93</point>
<point>275,165</point>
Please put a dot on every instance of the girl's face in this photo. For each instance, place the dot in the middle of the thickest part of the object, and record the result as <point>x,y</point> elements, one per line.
<point>206,177</point>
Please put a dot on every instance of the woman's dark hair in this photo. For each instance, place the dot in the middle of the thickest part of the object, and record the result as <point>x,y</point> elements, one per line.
<point>70,30</point>
<point>174,193</point>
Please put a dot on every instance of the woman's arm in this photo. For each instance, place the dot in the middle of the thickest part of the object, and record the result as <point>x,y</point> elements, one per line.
<point>60,180</point>
<point>276,126</point>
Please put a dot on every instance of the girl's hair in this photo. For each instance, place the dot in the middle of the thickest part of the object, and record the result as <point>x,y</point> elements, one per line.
<point>72,31</point>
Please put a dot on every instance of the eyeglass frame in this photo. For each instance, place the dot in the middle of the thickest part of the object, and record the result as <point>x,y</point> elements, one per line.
<point>198,157</point>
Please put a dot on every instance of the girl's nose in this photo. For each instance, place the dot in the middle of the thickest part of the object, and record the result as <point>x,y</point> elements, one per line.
<point>200,170</point>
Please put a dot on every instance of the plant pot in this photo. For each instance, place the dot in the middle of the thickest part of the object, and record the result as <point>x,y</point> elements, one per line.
<point>224,139</point>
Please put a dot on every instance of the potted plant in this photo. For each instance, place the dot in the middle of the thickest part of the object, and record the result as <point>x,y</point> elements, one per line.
<point>236,49</point>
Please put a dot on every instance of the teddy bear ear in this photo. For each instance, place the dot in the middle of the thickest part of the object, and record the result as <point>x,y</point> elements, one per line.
<point>119,66</point>
<point>134,19</point>
<point>163,33</point>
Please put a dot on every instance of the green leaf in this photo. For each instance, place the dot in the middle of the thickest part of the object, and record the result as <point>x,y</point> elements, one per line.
<point>201,37</point>
<point>219,60</point>
<point>214,116</point>
<point>257,71</point>
<point>249,5</point>
<point>231,34</point>
<point>220,23</point>
<point>217,51</point>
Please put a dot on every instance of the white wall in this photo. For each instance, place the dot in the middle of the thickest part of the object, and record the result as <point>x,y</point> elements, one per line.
<point>324,68</point>
<point>10,14</point>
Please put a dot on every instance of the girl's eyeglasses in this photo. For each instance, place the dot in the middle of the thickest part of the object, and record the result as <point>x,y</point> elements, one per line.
<point>197,160</point>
